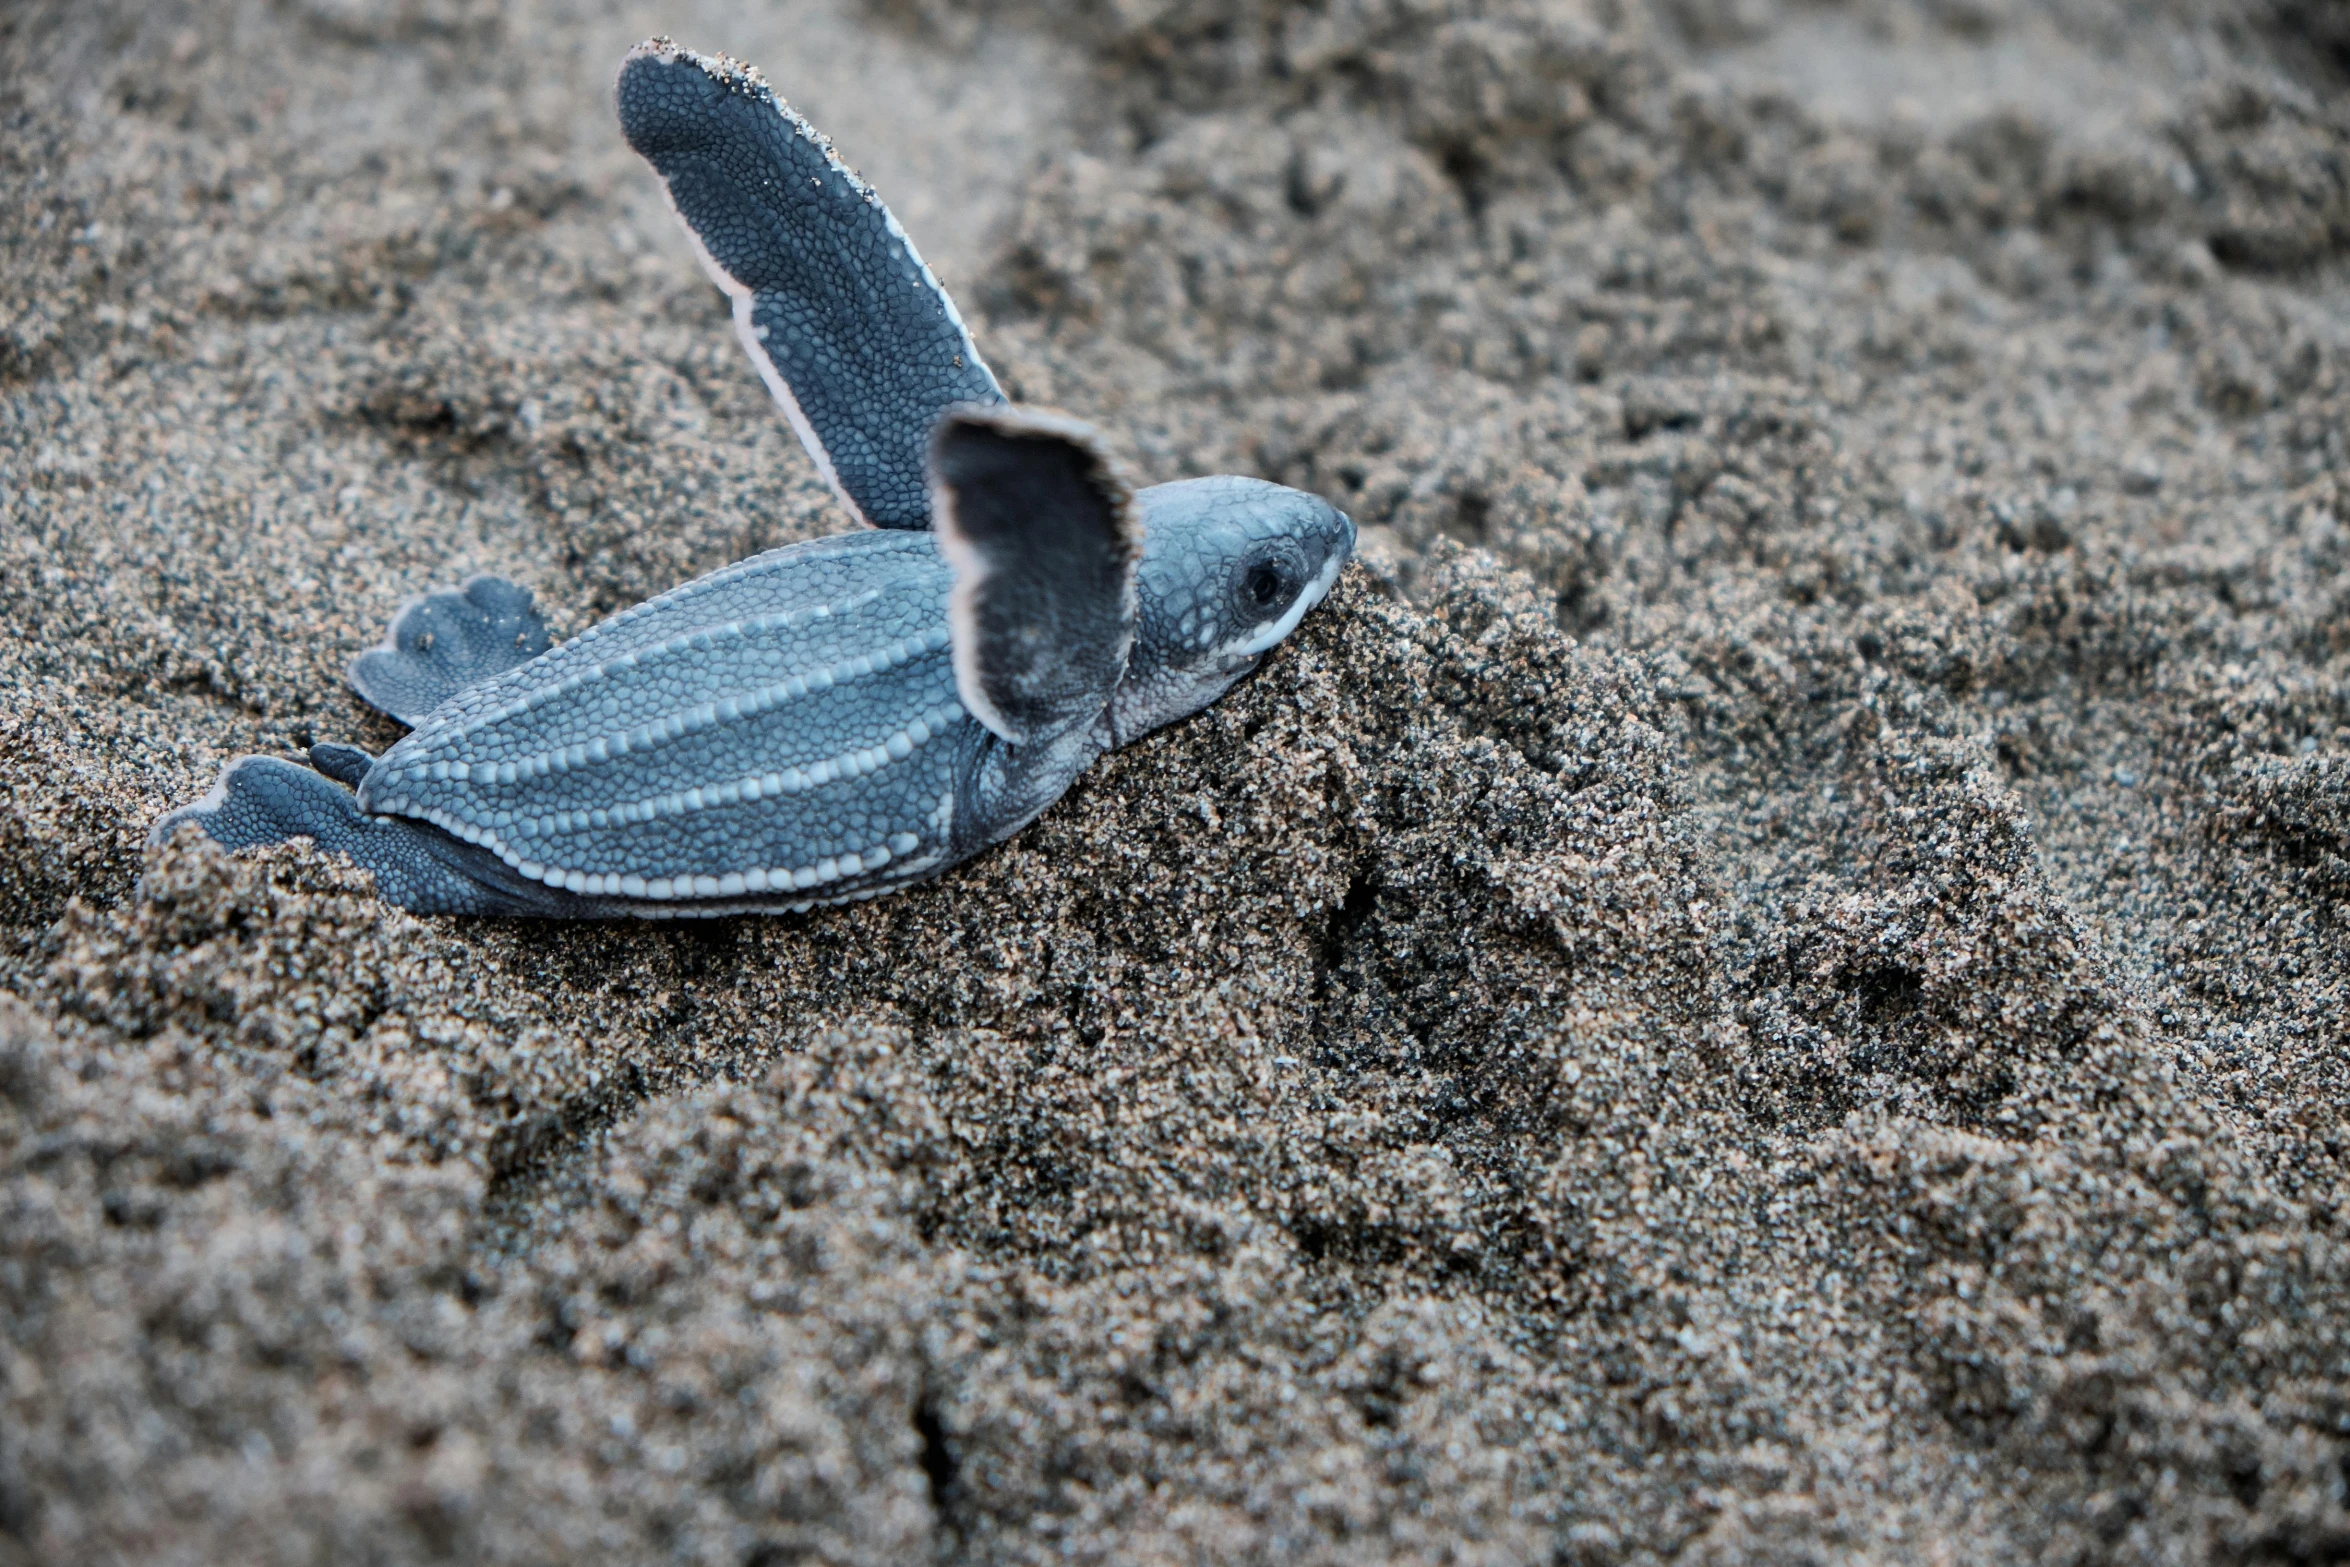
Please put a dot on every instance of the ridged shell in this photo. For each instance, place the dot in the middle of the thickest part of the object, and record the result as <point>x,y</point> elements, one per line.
<point>789,723</point>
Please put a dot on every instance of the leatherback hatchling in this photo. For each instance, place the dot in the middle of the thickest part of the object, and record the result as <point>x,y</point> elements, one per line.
<point>834,719</point>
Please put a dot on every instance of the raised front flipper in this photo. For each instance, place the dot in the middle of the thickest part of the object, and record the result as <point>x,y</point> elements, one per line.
<point>443,642</point>
<point>848,328</point>
<point>263,800</point>
<point>1044,536</point>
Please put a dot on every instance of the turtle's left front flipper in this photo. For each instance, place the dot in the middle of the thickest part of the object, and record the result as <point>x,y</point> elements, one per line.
<point>848,328</point>
<point>1044,536</point>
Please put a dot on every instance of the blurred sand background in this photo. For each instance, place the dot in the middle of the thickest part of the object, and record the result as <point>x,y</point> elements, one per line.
<point>1765,983</point>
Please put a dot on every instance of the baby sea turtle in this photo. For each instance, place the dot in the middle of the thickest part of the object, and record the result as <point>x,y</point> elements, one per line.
<point>831,720</point>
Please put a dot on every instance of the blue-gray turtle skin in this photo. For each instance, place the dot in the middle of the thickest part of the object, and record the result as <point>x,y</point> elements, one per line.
<point>786,725</point>
<point>845,323</point>
<point>832,720</point>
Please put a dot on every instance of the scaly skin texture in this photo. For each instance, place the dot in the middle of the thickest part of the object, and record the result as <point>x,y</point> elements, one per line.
<point>849,329</point>
<point>790,722</point>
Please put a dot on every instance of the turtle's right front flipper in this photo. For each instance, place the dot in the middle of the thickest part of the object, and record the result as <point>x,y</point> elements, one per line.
<point>1044,536</point>
<point>263,800</point>
<point>849,330</point>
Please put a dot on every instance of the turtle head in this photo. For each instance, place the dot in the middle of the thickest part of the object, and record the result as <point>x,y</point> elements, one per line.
<point>1229,567</point>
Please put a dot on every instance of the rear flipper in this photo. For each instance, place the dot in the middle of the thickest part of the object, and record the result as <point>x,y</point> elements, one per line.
<point>262,800</point>
<point>443,642</point>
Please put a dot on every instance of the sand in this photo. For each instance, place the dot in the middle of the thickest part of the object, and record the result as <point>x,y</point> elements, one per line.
<point>1764,983</point>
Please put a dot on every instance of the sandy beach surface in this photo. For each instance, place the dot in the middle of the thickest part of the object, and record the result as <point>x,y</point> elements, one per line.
<point>1768,981</point>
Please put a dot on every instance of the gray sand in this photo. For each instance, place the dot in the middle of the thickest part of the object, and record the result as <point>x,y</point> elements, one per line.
<point>1766,982</point>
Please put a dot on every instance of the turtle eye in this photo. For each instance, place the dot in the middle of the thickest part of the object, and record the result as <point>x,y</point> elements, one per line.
<point>1266,586</point>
